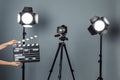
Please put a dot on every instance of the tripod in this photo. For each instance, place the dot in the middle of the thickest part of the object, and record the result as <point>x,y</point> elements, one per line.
<point>100,60</point>
<point>61,46</point>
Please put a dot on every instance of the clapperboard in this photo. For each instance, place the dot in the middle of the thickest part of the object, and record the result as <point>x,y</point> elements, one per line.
<point>26,52</point>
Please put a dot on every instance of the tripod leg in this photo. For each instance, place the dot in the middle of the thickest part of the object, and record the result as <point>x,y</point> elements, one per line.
<point>69,62</point>
<point>54,61</point>
<point>60,65</point>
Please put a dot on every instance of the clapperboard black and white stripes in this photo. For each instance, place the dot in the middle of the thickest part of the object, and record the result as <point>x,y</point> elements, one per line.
<point>26,52</point>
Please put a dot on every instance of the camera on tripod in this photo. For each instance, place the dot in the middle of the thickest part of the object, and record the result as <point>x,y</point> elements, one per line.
<point>61,32</point>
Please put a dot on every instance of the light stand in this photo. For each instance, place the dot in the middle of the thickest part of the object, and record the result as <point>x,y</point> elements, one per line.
<point>61,47</point>
<point>100,60</point>
<point>23,64</point>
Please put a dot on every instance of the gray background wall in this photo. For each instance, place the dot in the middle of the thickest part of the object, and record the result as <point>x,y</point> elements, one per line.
<point>82,47</point>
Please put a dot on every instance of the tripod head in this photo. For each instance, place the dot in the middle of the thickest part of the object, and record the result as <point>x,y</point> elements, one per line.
<point>62,37</point>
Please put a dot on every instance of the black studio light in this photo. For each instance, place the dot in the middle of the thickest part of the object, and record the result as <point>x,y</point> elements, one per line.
<point>99,25</point>
<point>27,18</point>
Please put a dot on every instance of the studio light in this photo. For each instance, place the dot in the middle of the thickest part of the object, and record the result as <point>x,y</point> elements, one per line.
<point>99,25</point>
<point>27,18</point>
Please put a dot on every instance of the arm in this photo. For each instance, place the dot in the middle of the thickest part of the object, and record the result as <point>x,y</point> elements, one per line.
<point>5,63</point>
<point>4,45</point>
